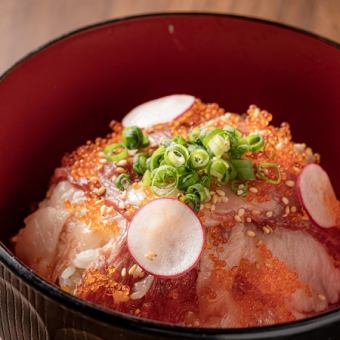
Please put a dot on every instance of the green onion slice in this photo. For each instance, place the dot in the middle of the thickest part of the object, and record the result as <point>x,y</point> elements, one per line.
<point>164,180</point>
<point>199,190</point>
<point>244,169</point>
<point>133,137</point>
<point>115,152</point>
<point>176,155</point>
<point>194,135</point>
<point>179,140</point>
<point>256,142</point>
<point>219,169</point>
<point>139,163</point>
<point>123,181</point>
<point>199,158</point>
<point>147,178</point>
<point>269,172</point>
<point>187,179</point>
<point>192,201</point>
<point>157,158</point>
<point>217,142</point>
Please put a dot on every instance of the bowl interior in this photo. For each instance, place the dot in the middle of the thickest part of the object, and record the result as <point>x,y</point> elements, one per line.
<point>68,92</point>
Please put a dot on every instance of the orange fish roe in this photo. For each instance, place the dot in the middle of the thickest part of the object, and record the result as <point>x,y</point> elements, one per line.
<point>91,213</point>
<point>259,289</point>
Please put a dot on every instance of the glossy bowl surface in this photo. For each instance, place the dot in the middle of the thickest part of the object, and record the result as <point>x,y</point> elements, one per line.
<point>68,91</point>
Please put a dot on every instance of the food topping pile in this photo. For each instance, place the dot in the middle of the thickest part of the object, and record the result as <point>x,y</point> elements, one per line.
<point>190,215</point>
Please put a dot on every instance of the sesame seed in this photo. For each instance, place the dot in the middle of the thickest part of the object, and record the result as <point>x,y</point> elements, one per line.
<point>287,210</point>
<point>285,200</point>
<point>267,229</point>
<point>248,219</point>
<point>103,210</point>
<point>322,297</point>
<point>101,154</point>
<point>213,207</point>
<point>99,167</point>
<point>132,269</point>
<point>241,212</point>
<point>269,213</point>
<point>132,152</point>
<point>250,233</point>
<point>239,192</point>
<point>123,272</point>
<point>122,162</point>
<point>293,209</point>
<point>101,191</point>
<point>220,192</point>
<point>121,205</point>
<point>256,212</point>
<point>150,255</point>
<point>290,183</point>
<point>259,243</point>
<point>119,170</point>
<point>237,218</point>
<point>225,199</point>
<point>215,199</point>
<point>102,161</point>
<point>253,190</point>
<point>93,179</point>
<point>109,210</point>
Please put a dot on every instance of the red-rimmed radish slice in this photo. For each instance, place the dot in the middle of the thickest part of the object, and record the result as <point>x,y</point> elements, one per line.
<point>165,237</point>
<point>157,111</point>
<point>317,196</point>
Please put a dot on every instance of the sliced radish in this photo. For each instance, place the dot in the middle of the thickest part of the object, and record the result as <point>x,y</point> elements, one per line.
<point>161,110</point>
<point>317,196</point>
<point>165,237</point>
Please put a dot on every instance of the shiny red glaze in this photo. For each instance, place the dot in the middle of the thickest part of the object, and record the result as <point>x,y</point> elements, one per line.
<point>68,92</point>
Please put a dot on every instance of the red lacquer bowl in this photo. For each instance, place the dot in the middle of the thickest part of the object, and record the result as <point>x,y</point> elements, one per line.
<point>67,92</point>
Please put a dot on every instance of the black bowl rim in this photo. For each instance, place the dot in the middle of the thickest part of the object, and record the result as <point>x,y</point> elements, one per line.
<point>125,321</point>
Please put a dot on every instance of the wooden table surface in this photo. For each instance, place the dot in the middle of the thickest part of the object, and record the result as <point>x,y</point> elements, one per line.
<point>27,24</point>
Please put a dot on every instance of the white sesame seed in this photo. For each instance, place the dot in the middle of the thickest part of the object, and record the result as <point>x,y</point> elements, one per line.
<point>248,219</point>
<point>103,210</point>
<point>119,170</point>
<point>121,205</point>
<point>93,179</point>
<point>113,178</point>
<point>99,167</point>
<point>132,269</point>
<point>215,199</point>
<point>269,213</point>
<point>285,200</point>
<point>267,229</point>
<point>322,297</point>
<point>250,233</point>
<point>150,255</point>
<point>287,210</point>
<point>290,183</point>
<point>220,192</point>
<point>237,218</point>
<point>109,210</point>
<point>123,272</point>
<point>225,199</point>
<point>241,212</point>
<point>239,192</point>
<point>253,190</point>
<point>255,212</point>
<point>122,162</point>
<point>293,209</point>
<point>101,154</point>
<point>132,152</point>
<point>101,191</point>
<point>102,161</point>
<point>213,207</point>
